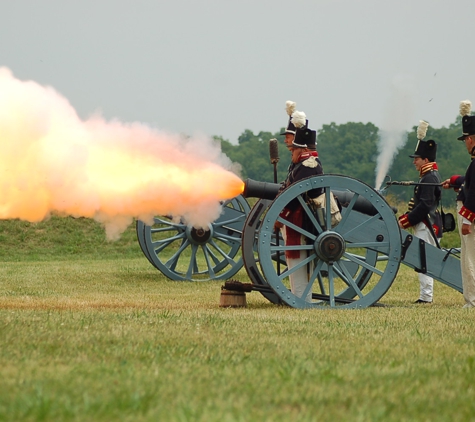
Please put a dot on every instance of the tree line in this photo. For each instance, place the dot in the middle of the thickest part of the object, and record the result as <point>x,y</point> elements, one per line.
<point>351,149</point>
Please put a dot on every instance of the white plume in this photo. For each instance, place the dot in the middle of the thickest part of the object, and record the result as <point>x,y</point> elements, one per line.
<point>299,119</point>
<point>290,107</point>
<point>465,107</point>
<point>422,129</point>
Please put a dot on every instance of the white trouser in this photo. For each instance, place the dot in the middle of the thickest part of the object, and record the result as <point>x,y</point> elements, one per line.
<point>467,261</point>
<point>426,283</point>
<point>299,278</point>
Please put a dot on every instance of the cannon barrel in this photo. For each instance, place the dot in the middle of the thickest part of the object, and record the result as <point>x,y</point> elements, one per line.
<point>265,190</point>
<point>262,190</point>
<point>362,204</point>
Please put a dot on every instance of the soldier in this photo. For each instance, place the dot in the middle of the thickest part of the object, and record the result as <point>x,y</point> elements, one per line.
<point>305,164</point>
<point>423,216</point>
<point>465,185</point>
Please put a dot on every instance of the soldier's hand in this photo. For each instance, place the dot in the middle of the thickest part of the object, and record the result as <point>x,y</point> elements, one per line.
<point>446,184</point>
<point>466,229</point>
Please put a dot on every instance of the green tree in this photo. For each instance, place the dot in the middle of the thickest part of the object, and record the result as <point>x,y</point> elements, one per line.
<point>349,149</point>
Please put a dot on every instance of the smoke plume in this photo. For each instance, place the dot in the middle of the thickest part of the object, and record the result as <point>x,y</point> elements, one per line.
<point>53,162</point>
<point>392,135</point>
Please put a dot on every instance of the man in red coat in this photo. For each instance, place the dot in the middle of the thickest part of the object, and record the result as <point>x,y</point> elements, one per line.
<point>305,163</point>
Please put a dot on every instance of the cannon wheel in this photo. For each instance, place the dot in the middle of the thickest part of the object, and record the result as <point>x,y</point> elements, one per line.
<point>183,253</point>
<point>354,234</point>
<point>140,231</point>
<point>251,259</point>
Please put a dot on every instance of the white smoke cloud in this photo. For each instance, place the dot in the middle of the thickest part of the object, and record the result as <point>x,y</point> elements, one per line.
<point>53,162</point>
<point>392,134</point>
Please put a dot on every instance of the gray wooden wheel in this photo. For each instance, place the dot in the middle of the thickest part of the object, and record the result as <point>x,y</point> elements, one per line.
<point>184,253</point>
<point>357,234</point>
<point>251,258</point>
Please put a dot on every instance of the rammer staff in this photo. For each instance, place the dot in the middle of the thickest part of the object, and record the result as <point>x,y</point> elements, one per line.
<point>274,159</point>
<point>412,183</point>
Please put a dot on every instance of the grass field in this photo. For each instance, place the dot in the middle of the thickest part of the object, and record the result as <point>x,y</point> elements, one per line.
<point>89,330</point>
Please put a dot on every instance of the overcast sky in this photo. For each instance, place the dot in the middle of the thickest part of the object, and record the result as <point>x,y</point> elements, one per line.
<point>221,67</point>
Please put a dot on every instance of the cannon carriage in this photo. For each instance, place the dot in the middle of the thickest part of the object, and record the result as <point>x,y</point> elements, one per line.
<point>350,265</point>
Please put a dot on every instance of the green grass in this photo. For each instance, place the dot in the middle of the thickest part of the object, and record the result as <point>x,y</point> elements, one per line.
<point>63,238</point>
<point>96,333</point>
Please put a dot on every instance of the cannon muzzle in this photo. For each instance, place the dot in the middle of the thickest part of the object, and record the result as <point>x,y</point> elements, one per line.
<point>262,190</point>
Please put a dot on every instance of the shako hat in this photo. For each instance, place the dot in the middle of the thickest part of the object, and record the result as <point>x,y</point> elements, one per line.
<point>290,108</point>
<point>304,137</point>
<point>425,149</point>
<point>468,121</point>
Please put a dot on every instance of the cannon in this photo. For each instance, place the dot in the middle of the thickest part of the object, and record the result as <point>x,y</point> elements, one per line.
<point>351,265</point>
<point>267,192</point>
